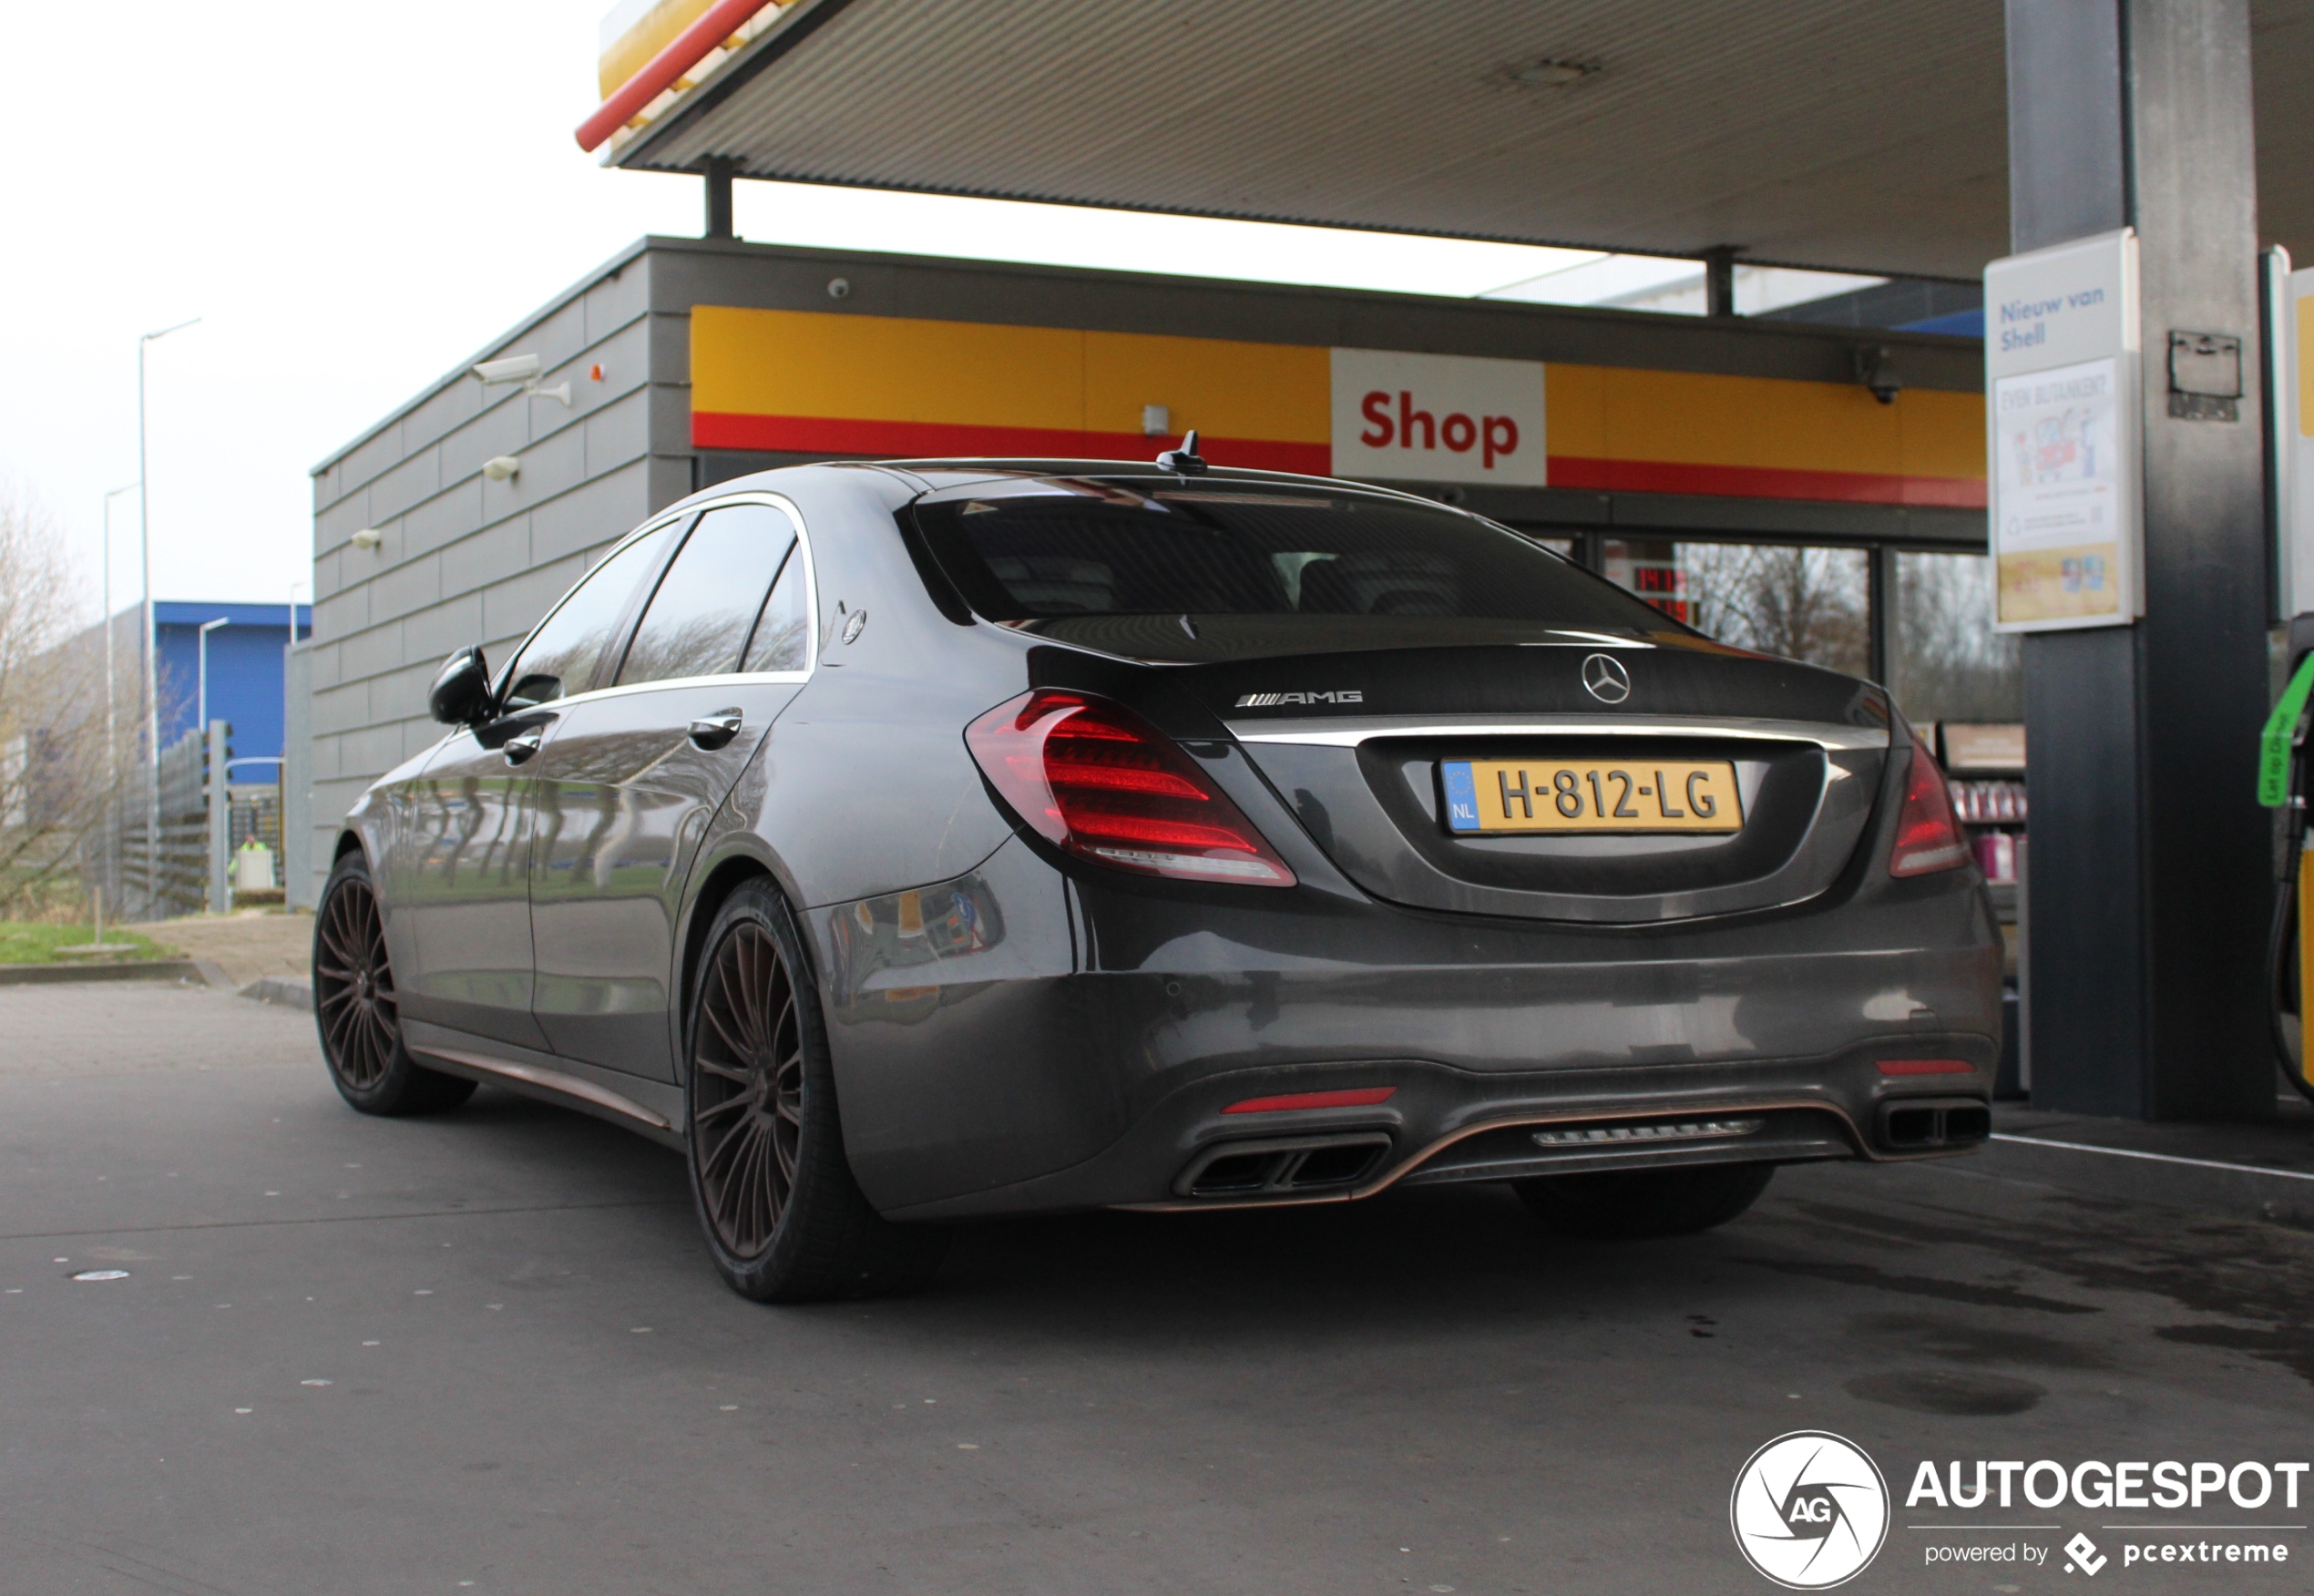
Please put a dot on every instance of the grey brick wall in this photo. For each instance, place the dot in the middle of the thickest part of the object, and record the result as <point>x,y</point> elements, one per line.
<point>466,560</point>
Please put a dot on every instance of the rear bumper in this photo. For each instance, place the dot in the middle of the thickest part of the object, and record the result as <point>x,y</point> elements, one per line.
<point>1018,1041</point>
<point>1443,1125</point>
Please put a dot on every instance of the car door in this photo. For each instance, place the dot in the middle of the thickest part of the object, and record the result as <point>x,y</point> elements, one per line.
<point>634,771</point>
<point>458,877</point>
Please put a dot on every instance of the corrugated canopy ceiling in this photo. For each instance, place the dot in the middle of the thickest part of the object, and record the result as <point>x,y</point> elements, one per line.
<point>1826,133</point>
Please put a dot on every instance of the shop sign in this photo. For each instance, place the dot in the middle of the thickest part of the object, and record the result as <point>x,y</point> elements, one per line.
<point>1438,418</point>
<point>2062,416</point>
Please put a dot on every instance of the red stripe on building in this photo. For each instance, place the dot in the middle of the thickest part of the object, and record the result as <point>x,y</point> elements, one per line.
<point>1854,487</point>
<point>816,435</point>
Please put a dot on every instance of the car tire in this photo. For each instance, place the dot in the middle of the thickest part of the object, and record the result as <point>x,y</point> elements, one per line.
<point>1630,1204</point>
<point>357,1008</point>
<point>783,1219</point>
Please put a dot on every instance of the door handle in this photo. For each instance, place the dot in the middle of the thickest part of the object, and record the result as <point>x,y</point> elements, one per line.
<point>521,746</point>
<point>711,732</point>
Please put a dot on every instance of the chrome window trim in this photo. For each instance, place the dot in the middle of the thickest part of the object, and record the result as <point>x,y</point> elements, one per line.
<point>1347,732</point>
<point>778,501</point>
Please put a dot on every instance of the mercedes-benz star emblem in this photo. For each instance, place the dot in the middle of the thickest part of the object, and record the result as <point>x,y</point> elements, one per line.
<point>1604,675</point>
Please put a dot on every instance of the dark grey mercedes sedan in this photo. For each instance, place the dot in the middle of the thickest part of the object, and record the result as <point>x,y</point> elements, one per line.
<point>908,842</point>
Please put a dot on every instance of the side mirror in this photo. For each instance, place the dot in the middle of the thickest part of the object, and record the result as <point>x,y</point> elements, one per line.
<point>461,695</point>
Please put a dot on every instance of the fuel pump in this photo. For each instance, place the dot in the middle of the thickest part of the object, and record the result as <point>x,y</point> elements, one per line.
<point>2285,780</point>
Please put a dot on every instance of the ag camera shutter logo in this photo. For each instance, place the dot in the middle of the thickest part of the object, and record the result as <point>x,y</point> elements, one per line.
<point>1809,1510</point>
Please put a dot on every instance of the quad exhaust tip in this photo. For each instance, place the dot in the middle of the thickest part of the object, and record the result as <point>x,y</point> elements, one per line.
<point>1285,1165</point>
<point>1915,1125</point>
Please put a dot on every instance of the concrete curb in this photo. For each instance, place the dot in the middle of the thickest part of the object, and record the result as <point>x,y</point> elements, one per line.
<point>281,991</point>
<point>150,969</point>
<point>2200,1185</point>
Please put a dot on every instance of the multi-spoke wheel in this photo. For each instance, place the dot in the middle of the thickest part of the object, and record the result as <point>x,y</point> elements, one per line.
<point>747,1102</point>
<point>357,1011</point>
<point>784,1221</point>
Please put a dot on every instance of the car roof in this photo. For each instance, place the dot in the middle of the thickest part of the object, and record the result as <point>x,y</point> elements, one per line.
<point>936,475</point>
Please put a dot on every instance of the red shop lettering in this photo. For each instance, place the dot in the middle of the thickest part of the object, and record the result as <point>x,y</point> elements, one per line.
<point>1493,436</point>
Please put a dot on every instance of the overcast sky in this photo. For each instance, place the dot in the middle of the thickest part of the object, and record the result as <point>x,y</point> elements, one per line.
<point>355,198</point>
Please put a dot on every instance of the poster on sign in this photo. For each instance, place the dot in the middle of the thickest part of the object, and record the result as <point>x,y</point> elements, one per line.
<point>2058,454</point>
<point>1438,418</point>
<point>2062,416</point>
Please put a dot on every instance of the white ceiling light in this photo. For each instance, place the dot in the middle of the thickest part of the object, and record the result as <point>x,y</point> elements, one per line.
<point>1553,73</point>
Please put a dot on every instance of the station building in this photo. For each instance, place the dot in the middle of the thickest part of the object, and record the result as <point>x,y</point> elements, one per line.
<point>1644,446</point>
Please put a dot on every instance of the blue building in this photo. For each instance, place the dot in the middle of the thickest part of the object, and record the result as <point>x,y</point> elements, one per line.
<point>245,667</point>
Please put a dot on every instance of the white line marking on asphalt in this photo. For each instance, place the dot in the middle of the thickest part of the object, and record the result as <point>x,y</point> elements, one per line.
<point>2200,1163</point>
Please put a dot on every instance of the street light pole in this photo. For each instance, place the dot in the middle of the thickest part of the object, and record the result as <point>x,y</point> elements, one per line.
<point>152,668</point>
<point>200,712</point>
<point>111,885</point>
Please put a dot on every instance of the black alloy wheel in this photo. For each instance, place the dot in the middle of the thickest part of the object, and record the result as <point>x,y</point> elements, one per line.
<point>747,1100</point>
<point>354,986</point>
<point>782,1215</point>
<point>357,1009</point>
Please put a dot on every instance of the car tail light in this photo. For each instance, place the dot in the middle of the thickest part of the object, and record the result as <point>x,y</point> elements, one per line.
<point>1357,1097</point>
<point>1928,836</point>
<point>1099,780</point>
<point>1927,1066</point>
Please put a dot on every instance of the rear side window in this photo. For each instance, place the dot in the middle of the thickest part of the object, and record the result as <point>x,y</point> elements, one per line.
<point>700,621</point>
<point>1076,547</point>
<point>561,655</point>
<point>782,635</point>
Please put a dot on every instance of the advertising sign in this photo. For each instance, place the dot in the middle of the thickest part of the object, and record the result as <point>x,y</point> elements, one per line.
<point>2062,417</point>
<point>1438,418</point>
<point>2292,419</point>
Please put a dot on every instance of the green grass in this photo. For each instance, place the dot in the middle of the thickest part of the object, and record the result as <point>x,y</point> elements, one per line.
<point>35,942</point>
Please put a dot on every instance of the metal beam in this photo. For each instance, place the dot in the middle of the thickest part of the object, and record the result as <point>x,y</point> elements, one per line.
<point>719,197</point>
<point>2151,869</point>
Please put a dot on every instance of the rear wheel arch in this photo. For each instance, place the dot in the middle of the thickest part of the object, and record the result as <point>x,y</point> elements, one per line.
<point>722,879</point>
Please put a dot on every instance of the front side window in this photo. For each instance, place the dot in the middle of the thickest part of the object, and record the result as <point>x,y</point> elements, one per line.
<point>562,655</point>
<point>708,604</point>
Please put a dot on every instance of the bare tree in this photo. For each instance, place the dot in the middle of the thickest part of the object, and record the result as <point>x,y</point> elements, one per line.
<point>53,766</point>
<point>1947,662</point>
<point>1801,603</point>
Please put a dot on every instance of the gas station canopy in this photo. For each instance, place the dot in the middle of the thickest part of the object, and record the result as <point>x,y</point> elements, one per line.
<point>1816,133</point>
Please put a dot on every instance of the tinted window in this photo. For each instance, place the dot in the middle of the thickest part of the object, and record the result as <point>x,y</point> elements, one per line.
<point>698,622</point>
<point>561,655</point>
<point>1061,548</point>
<point>782,637</point>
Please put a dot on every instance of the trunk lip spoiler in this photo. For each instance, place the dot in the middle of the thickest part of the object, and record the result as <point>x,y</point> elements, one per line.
<point>1350,731</point>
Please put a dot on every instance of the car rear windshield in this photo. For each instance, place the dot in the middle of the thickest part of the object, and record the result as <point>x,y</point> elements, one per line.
<point>1053,548</point>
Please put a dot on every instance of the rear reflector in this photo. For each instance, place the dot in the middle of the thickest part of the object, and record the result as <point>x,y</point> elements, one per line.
<point>1357,1098</point>
<point>1927,1066</point>
<point>1097,780</point>
<point>1928,837</point>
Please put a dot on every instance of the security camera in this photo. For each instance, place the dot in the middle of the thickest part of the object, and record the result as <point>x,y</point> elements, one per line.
<point>1876,369</point>
<point>367,537</point>
<point>498,467</point>
<point>515,368</point>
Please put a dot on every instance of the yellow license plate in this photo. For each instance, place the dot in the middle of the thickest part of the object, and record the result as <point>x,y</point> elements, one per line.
<point>1591,795</point>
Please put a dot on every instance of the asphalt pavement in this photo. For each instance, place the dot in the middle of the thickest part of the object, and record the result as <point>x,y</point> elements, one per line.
<point>485,1352</point>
